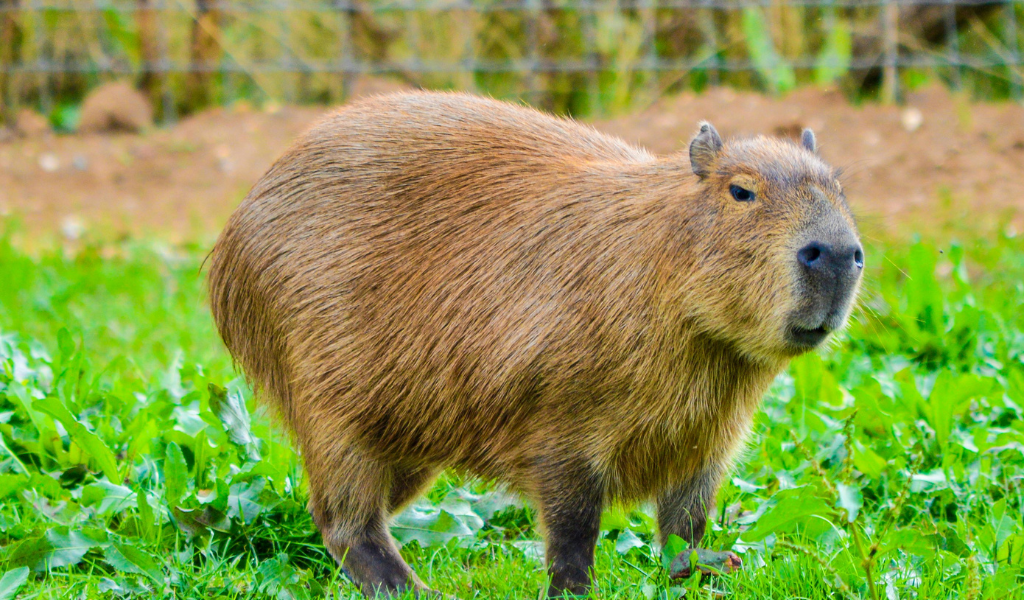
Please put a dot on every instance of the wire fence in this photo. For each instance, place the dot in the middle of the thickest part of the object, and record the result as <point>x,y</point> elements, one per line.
<point>573,55</point>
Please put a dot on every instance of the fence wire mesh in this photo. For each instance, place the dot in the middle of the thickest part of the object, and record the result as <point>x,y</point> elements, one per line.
<point>576,55</point>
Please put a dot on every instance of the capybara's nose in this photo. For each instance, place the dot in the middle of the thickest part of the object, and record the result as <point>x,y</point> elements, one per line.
<point>824,259</point>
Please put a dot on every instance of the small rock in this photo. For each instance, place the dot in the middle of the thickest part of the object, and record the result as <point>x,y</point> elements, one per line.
<point>224,162</point>
<point>911,118</point>
<point>72,228</point>
<point>80,162</point>
<point>49,162</point>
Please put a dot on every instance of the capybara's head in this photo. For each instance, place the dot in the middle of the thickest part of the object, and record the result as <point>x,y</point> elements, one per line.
<point>781,248</point>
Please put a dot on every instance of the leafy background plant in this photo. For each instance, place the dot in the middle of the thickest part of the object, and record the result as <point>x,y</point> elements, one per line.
<point>135,461</point>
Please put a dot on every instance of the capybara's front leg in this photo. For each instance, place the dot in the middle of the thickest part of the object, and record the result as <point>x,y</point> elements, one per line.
<point>570,505</point>
<point>349,496</point>
<point>683,511</point>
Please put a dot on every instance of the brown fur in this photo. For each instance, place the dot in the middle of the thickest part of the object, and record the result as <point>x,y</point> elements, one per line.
<point>431,280</point>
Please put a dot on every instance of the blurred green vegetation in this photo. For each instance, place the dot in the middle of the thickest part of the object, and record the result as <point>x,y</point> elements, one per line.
<point>291,52</point>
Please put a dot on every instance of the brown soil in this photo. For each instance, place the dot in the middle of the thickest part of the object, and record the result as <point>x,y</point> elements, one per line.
<point>963,160</point>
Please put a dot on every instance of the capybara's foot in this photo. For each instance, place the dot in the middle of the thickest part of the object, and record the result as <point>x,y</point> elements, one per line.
<point>376,567</point>
<point>707,562</point>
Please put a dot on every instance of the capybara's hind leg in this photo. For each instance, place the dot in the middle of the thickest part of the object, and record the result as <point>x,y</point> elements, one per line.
<point>348,497</point>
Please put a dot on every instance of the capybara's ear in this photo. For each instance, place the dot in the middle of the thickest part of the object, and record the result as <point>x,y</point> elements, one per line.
<point>807,141</point>
<point>704,149</point>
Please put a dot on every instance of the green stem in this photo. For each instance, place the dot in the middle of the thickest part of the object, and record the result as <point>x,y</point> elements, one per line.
<point>865,561</point>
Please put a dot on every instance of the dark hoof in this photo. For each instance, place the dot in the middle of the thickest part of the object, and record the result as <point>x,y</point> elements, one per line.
<point>707,562</point>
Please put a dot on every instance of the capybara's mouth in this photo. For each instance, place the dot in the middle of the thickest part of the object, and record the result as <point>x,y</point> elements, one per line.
<point>807,338</point>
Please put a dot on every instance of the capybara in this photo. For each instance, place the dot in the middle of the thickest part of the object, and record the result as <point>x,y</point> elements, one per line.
<point>437,280</point>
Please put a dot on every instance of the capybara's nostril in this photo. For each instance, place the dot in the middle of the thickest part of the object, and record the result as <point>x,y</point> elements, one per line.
<point>824,259</point>
<point>810,255</point>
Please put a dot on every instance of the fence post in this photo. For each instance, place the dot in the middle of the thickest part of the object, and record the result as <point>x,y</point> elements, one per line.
<point>145,20</point>
<point>166,90</point>
<point>533,16</point>
<point>649,15</point>
<point>8,53</point>
<point>890,42</point>
<point>952,44</point>
<point>1012,35</point>
<point>345,10</point>
<point>204,46</point>
<point>41,65</point>
<point>592,59</point>
<point>467,24</point>
<point>710,27</point>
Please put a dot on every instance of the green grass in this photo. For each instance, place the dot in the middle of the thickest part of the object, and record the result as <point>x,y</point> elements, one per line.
<point>135,462</point>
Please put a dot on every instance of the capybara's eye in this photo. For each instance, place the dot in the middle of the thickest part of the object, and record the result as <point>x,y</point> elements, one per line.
<point>741,194</point>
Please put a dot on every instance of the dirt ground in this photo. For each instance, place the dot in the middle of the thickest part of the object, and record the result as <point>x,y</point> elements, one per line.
<point>905,167</point>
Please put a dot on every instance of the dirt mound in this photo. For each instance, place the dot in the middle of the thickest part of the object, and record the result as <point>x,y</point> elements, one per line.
<point>905,167</point>
<point>29,123</point>
<point>115,106</point>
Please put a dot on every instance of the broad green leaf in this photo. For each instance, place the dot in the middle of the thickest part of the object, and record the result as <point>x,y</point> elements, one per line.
<point>229,406</point>
<point>999,527</point>
<point>67,548</point>
<point>930,481</point>
<point>146,517</point>
<point>433,526</point>
<point>87,440</point>
<point>911,541</point>
<point>129,559</point>
<point>30,553</point>
<point>533,550</point>
<point>196,522</point>
<point>111,498</point>
<point>673,546</point>
<point>11,582</point>
<point>244,500</point>
<point>626,541</point>
<point>175,474</point>
<point>867,461</point>
<point>66,344</point>
<point>494,502</point>
<point>10,484</point>
<point>789,509</point>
